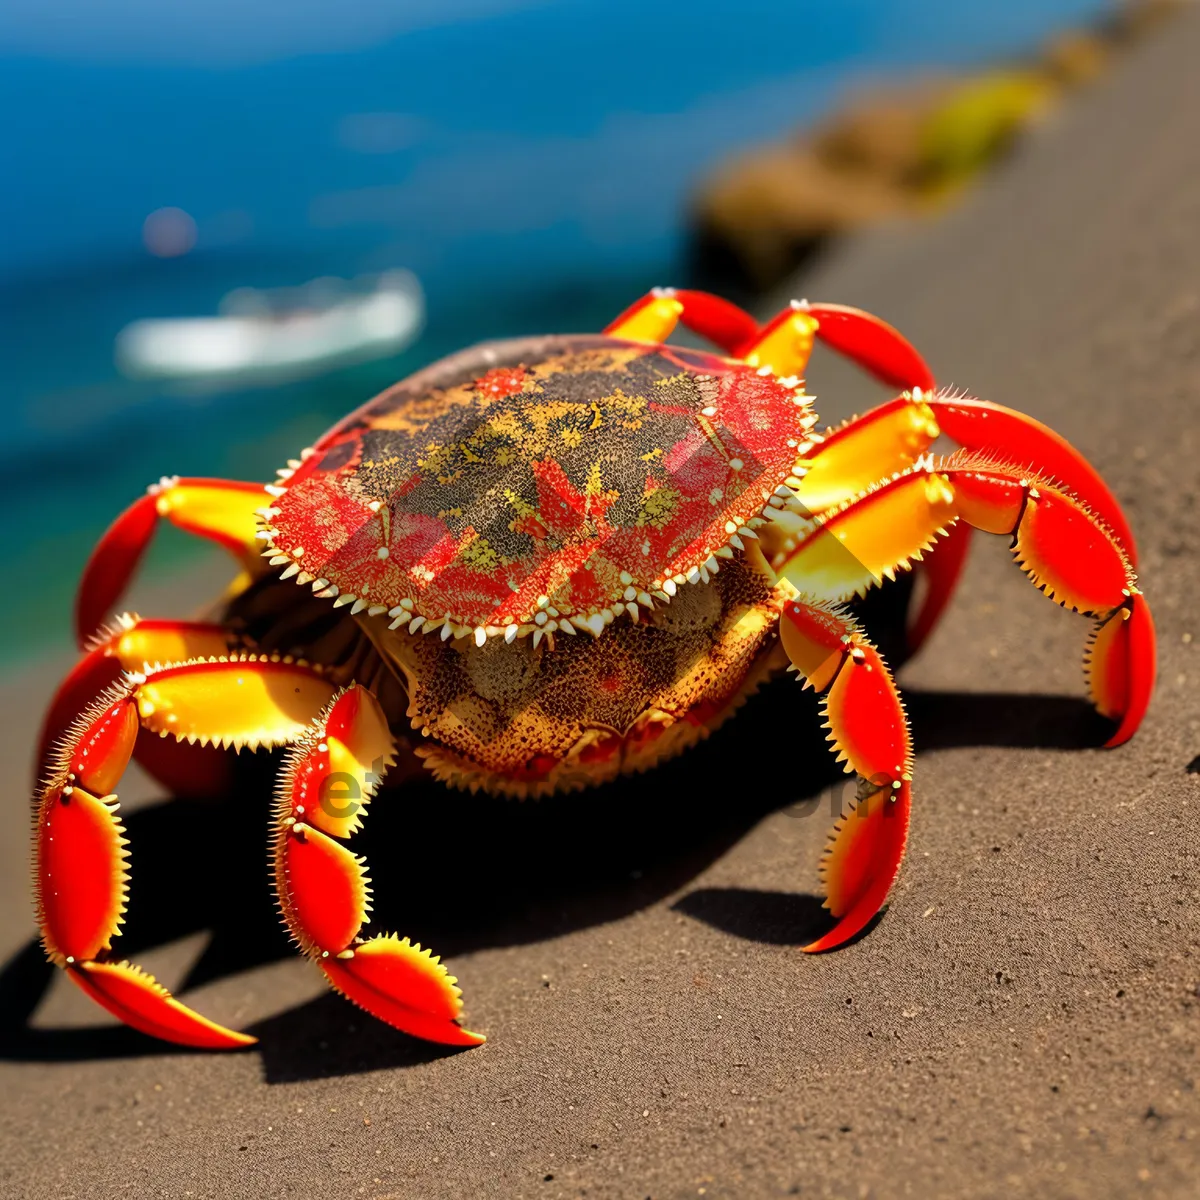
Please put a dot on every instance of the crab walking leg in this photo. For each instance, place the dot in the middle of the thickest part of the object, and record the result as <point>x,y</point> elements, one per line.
<point>328,778</point>
<point>849,459</point>
<point>127,644</point>
<point>1007,435</point>
<point>871,447</point>
<point>80,875</point>
<point>869,730</point>
<point>784,344</point>
<point>653,319</point>
<point>941,570</point>
<point>218,509</point>
<point>1065,549</point>
<point>857,454</point>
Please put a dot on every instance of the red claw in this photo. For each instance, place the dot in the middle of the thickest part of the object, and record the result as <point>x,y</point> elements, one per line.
<point>81,881</point>
<point>80,852</point>
<point>863,861</point>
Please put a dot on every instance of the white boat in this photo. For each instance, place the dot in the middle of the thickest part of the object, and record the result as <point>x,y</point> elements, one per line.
<point>268,336</point>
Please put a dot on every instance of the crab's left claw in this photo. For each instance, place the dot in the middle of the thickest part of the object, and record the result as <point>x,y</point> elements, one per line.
<point>869,731</point>
<point>323,888</point>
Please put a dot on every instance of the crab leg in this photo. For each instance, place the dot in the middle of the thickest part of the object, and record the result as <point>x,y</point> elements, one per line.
<point>941,569</point>
<point>869,731</point>
<point>79,846</point>
<point>653,318</point>
<point>329,777</point>
<point>847,460</point>
<point>127,644</point>
<point>868,448</point>
<point>1065,549</point>
<point>218,509</point>
<point>1009,436</point>
<point>894,435</point>
<point>784,344</point>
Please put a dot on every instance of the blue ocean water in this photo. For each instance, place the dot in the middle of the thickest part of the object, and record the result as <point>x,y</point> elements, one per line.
<point>531,162</point>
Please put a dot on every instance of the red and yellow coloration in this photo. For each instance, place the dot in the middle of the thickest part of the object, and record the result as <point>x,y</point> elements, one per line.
<point>869,731</point>
<point>612,541</point>
<point>220,510</point>
<point>323,889</point>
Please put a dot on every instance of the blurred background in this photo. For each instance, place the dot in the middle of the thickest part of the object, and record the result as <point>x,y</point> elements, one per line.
<point>227,223</point>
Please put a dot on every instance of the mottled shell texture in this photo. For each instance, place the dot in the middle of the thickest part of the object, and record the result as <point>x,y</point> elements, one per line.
<point>559,486</point>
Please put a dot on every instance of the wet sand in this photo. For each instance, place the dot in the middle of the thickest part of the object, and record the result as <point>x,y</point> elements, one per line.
<point>1023,1020</point>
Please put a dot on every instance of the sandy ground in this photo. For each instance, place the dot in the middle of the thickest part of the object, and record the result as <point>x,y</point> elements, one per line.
<point>1023,1020</point>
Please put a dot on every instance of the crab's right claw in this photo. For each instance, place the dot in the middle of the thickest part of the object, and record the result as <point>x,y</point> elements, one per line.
<point>323,889</point>
<point>80,874</point>
<point>869,731</point>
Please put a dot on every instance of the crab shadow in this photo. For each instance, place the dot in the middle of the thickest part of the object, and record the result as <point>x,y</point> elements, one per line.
<point>480,873</point>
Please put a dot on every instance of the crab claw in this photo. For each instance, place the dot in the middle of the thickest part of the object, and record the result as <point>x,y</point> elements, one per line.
<point>79,862</point>
<point>863,860</point>
<point>323,889</point>
<point>869,731</point>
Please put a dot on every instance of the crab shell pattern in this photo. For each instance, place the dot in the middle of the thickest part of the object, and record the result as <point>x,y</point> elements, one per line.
<point>538,565</point>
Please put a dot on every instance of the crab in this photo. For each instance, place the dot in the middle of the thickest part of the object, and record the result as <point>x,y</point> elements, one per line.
<point>538,565</point>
